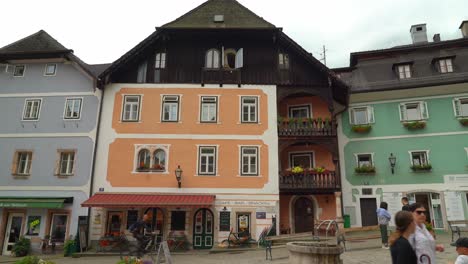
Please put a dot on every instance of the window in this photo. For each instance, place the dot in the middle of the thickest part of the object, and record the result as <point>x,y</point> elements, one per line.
<point>177,220</point>
<point>32,107</point>
<point>22,163</point>
<point>141,74</point>
<point>249,109</point>
<point>170,108</point>
<point>67,162</point>
<point>144,159</point>
<point>207,161</point>
<point>249,160</point>
<point>131,109</point>
<point>58,227</point>
<point>364,160</point>
<point>445,65</point>
<point>413,111</point>
<point>302,111</point>
<point>303,160</point>
<point>461,107</point>
<point>160,62</point>
<point>50,69</point>
<point>151,158</point>
<point>361,115</point>
<point>132,217</point>
<point>209,109</point>
<point>283,61</point>
<point>212,59</point>
<point>159,161</point>
<point>404,71</point>
<point>34,225</point>
<point>19,71</point>
<point>419,158</point>
<point>73,108</point>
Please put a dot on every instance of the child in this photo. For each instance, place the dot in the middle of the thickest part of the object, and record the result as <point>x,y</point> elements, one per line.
<point>462,250</point>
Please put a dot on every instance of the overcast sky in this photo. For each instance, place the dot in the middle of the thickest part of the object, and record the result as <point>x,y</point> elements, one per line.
<point>101,31</point>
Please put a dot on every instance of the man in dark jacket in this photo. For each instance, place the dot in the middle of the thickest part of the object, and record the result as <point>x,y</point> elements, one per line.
<point>405,203</point>
<point>139,231</point>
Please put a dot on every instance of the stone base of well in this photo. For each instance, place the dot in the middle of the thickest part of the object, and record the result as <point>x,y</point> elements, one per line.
<point>314,253</point>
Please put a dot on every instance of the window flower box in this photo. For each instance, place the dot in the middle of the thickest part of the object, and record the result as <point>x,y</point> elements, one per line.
<point>463,121</point>
<point>158,167</point>
<point>297,170</point>
<point>414,125</point>
<point>361,128</point>
<point>422,168</point>
<point>364,169</point>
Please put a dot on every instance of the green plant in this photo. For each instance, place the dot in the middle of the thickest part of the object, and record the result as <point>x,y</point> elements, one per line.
<point>463,121</point>
<point>297,169</point>
<point>415,124</point>
<point>365,169</point>
<point>69,247</point>
<point>21,247</point>
<point>319,169</point>
<point>130,260</point>
<point>429,226</point>
<point>28,260</point>
<point>423,167</point>
<point>361,128</point>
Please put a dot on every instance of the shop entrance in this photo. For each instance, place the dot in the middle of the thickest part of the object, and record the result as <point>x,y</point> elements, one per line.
<point>13,231</point>
<point>203,229</point>
<point>114,223</point>
<point>157,222</point>
<point>431,202</point>
<point>368,211</point>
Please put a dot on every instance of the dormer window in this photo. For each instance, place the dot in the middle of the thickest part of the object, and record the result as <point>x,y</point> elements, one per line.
<point>19,71</point>
<point>50,69</point>
<point>283,61</point>
<point>404,71</point>
<point>445,65</point>
<point>212,59</point>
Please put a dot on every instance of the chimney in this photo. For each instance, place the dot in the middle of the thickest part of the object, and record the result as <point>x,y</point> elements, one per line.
<point>418,33</point>
<point>436,38</point>
<point>464,28</point>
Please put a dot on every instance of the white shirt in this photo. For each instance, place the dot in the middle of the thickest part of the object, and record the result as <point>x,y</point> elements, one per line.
<point>462,259</point>
<point>423,243</point>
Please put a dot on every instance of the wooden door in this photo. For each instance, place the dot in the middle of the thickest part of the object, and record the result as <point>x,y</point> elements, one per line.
<point>369,211</point>
<point>114,223</point>
<point>13,232</point>
<point>303,215</point>
<point>203,229</point>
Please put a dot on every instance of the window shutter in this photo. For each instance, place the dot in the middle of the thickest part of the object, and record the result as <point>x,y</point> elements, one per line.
<point>424,110</point>
<point>14,164</point>
<point>370,115</point>
<point>402,112</point>
<point>457,106</point>
<point>240,58</point>
<point>351,116</point>
<point>222,57</point>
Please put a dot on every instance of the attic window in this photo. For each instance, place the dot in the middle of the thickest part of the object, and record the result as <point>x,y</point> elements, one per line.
<point>218,18</point>
<point>419,28</point>
<point>19,71</point>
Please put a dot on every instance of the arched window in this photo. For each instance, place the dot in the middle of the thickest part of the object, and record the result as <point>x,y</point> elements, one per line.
<point>212,59</point>
<point>159,160</point>
<point>144,159</point>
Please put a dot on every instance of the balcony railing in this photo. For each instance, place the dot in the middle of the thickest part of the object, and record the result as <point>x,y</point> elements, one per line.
<point>300,127</point>
<point>309,181</point>
<point>221,76</point>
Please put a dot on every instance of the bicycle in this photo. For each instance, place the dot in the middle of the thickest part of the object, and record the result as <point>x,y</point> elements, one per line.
<point>238,239</point>
<point>128,249</point>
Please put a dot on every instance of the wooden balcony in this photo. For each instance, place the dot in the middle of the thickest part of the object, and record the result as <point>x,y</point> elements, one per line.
<point>221,76</point>
<point>309,182</point>
<point>306,127</point>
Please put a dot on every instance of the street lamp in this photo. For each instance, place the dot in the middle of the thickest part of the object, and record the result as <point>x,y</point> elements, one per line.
<point>392,160</point>
<point>178,175</point>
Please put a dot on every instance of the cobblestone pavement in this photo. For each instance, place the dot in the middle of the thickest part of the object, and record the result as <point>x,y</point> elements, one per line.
<point>358,252</point>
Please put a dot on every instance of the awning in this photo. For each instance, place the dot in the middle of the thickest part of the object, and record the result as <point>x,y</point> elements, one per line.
<point>148,200</point>
<point>31,202</point>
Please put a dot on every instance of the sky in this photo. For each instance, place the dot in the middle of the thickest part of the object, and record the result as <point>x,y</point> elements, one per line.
<point>100,31</point>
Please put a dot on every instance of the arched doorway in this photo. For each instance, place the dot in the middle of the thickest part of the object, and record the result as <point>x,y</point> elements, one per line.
<point>157,222</point>
<point>203,229</point>
<point>303,215</point>
<point>432,202</point>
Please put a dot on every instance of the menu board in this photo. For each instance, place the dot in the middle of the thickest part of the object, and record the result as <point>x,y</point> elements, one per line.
<point>393,199</point>
<point>224,221</point>
<point>454,206</point>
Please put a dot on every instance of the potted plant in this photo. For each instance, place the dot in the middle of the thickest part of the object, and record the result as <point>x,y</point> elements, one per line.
<point>319,170</point>
<point>69,247</point>
<point>422,167</point>
<point>463,121</point>
<point>365,169</point>
<point>297,170</point>
<point>158,167</point>
<point>361,128</point>
<point>415,125</point>
<point>22,247</point>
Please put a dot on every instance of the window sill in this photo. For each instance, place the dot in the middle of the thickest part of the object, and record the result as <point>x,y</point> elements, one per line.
<point>365,173</point>
<point>249,123</point>
<point>130,121</point>
<point>249,176</point>
<point>208,123</point>
<point>421,171</point>
<point>30,120</point>
<point>149,172</point>
<point>206,175</point>
<point>20,176</point>
<point>64,176</point>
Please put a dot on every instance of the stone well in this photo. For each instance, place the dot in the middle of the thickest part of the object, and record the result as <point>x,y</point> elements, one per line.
<point>314,252</point>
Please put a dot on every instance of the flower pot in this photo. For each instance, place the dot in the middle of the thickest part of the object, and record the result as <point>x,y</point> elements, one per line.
<point>361,128</point>
<point>414,125</point>
<point>464,121</point>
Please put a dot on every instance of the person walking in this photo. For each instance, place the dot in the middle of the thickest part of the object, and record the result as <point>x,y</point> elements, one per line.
<point>400,249</point>
<point>383,217</point>
<point>462,250</point>
<point>422,241</point>
<point>139,230</point>
<point>405,203</point>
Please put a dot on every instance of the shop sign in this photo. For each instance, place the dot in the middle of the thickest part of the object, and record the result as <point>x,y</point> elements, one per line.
<point>34,224</point>
<point>246,203</point>
<point>260,215</point>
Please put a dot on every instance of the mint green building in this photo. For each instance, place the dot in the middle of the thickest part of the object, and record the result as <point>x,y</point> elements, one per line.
<point>405,133</point>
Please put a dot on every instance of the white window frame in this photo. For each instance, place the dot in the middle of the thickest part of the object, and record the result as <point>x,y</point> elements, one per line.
<point>404,71</point>
<point>65,108</point>
<point>138,110</point>
<point>466,149</point>
<point>410,152</point>
<point>457,107</point>
<point>301,153</point>
<point>257,161</point>
<point>199,160</point>
<point>422,108</point>
<point>24,70</point>
<point>66,225</point>
<point>142,71</point>
<point>32,100</point>
<point>445,65</point>
<point>69,163</point>
<point>46,68</point>
<point>210,60</point>
<point>160,60</point>
<point>170,101</point>
<point>216,103</point>
<point>152,149</point>
<point>26,170</point>
<point>257,107</point>
<point>292,108</point>
<point>369,115</point>
<point>356,155</point>
<point>283,61</point>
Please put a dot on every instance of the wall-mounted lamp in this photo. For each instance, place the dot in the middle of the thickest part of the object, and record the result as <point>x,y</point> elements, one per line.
<point>224,208</point>
<point>178,175</point>
<point>392,160</point>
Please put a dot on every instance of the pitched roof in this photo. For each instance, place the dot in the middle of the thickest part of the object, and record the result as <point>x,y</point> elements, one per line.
<point>235,16</point>
<point>37,42</point>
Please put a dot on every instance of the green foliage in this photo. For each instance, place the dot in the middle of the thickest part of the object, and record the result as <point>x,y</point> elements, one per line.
<point>33,260</point>
<point>423,167</point>
<point>21,247</point>
<point>361,128</point>
<point>365,169</point>
<point>69,247</point>
<point>297,169</point>
<point>463,121</point>
<point>415,125</point>
<point>429,227</point>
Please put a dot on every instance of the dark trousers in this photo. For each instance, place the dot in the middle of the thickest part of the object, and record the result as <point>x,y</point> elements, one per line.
<point>384,234</point>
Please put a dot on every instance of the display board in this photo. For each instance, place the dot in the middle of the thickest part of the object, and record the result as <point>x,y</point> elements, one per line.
<point>224,221</point>
<point>454,206</point>
<point>393,199</point>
